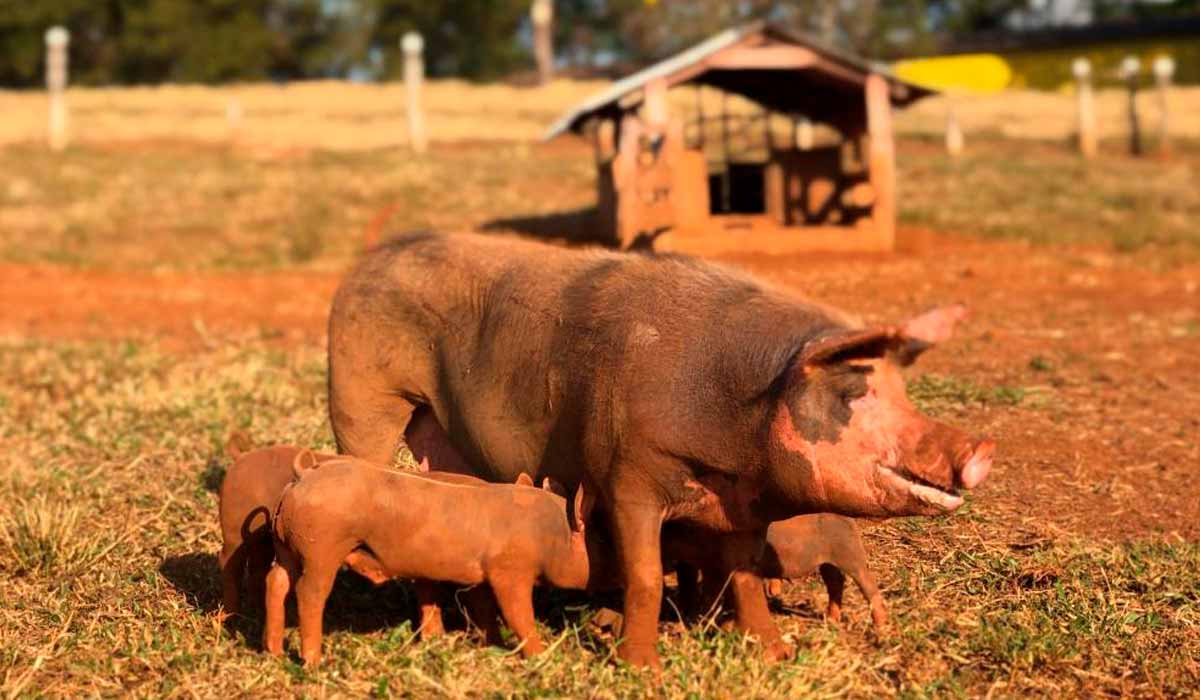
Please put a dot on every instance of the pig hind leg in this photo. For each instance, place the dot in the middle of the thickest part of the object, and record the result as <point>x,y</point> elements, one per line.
<point>312,590</point>
<point>368,420</point>
<point>835,585</point>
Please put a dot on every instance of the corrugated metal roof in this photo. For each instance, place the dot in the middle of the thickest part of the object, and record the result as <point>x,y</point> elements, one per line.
<point>609,99</point>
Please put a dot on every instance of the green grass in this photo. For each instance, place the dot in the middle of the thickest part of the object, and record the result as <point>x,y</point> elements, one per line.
<point>107,563</point>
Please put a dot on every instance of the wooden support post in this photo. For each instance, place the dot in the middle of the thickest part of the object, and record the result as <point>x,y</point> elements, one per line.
<point>1130,72</point>
<point>655,110</point>
<point>413,47</point>
<point>804,134</point>
<point>1164,69</point>
<point>1082,70</point>
<point>57,40</point>
<point>233,118</point>
<point>954,134</point>
<point>542,15</point>
<point>882,159</point>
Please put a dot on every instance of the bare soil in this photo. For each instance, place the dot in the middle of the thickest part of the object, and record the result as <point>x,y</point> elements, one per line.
<point>1101,352</point>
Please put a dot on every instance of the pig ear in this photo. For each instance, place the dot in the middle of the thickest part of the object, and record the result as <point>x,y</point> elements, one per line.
<point>582,508</point>
<point>423,465</point>
<point>850,345</point>
<point>929,329</point>
<point>523,479</point>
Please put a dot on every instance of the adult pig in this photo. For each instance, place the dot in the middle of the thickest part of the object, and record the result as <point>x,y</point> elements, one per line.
<point>677,389</point>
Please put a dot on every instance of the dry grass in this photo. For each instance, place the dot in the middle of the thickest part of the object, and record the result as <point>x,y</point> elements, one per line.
<point>123,440</point>
<point>344,116</point>
<point>328,115</point>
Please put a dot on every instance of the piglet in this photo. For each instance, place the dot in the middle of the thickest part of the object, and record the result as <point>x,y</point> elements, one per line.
<point>510,536</point>
<point>249,492</point>
<point>248,495</point>
<point>796,547</point>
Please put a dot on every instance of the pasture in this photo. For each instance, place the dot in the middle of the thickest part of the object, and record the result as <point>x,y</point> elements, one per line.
<point>165,285</point>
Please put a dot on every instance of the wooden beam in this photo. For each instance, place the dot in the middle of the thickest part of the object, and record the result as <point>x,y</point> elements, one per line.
<point>882,168</point>
<point>763,58</point>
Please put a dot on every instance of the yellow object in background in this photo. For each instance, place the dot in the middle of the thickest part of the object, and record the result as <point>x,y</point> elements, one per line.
<point>978,72</point>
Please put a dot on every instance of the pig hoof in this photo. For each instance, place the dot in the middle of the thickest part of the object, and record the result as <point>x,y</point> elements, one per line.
<point>640,656</point>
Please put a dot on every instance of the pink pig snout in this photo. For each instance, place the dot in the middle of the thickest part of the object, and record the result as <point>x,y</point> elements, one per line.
<point>977,464</point>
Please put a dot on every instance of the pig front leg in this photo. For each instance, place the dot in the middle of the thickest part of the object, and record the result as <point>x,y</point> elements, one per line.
<point>514,595</point>
<point>740,552</point>
<point>637,530</point>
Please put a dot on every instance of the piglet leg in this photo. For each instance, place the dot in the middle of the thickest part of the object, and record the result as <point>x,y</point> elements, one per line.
<point>279,582</point>
<point>312,590</point>
<point>870,590</point>
<point>233,564</point>
<point>429,603</point>
<point>835,584</point>
<point>514,594</point>
<point>481,609</point>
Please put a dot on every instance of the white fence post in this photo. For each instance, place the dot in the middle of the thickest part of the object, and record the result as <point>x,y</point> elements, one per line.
<point>1130,72</point>
<point>413,47</point>
<point>954,134</point>
<point>1082,69</point>
<point>57,39</point>
<point>542,15</point>
<point>1164,69</point>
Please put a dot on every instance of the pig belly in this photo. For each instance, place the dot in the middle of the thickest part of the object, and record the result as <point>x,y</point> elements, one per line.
<point>451,548</point>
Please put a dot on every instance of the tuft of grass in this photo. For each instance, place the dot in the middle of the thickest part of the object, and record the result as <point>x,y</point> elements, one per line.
<point>44,535</point>
<point>932,391</point>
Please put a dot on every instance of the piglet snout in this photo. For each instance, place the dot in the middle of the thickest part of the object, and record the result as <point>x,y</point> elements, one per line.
<point>977,465</point>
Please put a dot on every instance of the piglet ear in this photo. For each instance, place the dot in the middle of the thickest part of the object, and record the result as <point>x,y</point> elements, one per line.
<point>929,329</point>
<point>305,461</point>
<point>555,488</point>
<point>866,343</point>
<point>523,479</point>
<point>423,466</point>
<point>582,508</point>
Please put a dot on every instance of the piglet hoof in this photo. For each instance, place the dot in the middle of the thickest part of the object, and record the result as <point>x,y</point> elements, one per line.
<point>777,651</point>
<point>774,587</point>
<point>879,616</point>
<point>833,614</point>
<point>312,660</point>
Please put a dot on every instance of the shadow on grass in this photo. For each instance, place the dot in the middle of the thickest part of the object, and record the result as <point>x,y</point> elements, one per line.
<point>354,605</point>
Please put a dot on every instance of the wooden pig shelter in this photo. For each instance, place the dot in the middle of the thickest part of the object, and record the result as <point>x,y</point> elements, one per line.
<point>748,174</point>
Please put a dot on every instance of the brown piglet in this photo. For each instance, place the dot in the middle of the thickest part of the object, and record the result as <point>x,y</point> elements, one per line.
<point>248,495</point>
<point>510,536</point>
<point>796,547</point>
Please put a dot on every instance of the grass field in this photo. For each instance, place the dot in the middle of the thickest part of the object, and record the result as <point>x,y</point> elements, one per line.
<point>161,292</point>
